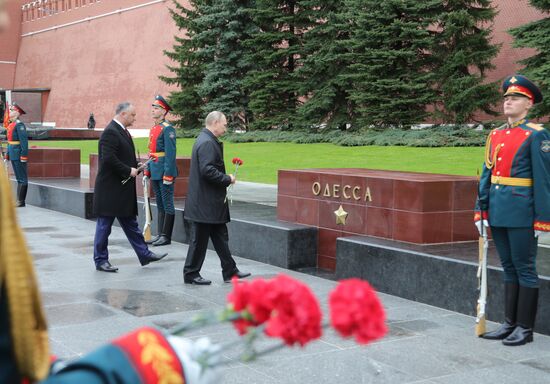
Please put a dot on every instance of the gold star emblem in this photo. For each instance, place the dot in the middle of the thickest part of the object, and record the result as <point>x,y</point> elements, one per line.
<point>341,216</point>
<point>513,80</point>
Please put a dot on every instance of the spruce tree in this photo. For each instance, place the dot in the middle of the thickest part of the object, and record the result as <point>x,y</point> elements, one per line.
<point>392,68</point>
<point>537,67</point>
<point>276,48</point>
<point>224,25</point>
<point>322,77</point>
<point>464,54</point>
<point>188,72</point>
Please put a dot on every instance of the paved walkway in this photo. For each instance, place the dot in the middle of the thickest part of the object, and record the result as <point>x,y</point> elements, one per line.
<point>86,308</point>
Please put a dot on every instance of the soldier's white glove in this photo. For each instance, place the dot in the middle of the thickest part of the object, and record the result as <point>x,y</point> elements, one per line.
<point>193,356</point>
<point>538,233</point>
<point>485,224</point>
<point>166,182</point>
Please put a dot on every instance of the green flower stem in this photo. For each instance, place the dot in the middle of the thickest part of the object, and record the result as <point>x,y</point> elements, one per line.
<point>205,319</point>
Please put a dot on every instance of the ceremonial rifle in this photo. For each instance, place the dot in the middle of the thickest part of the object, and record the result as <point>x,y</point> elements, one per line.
<point>147,207</point>
<point>482,271</point>
<point>139,170</point>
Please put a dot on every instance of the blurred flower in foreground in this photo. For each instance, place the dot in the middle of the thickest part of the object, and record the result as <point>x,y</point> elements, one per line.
<point>283,308</point>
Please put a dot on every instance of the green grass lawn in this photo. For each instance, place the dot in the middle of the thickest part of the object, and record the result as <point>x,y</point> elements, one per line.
<point>262,160</point>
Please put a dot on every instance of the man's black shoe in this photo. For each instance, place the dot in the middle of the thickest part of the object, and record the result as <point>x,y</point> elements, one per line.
<point>162,240</point>
<point>238,275</point>
<point>199,280</point>
<point>106,267</point>
<point>153,257</point>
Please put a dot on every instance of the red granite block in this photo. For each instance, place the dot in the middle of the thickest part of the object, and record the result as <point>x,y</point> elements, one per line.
<point>53,170</point>
<point>429,196</point>
<point>407,226</point>
<point>381,191</point>
<point>287,182</point>
<point>463,226</point>
<point>71,170</point>
<point>438,227</point>
<point>353,189</point>
<point>53,155</point>
<point>331,187</point>
<point>326,243</point>
<point>71,156</point>
<point>464,194</point>
<point>35,170</point>
<point>326,262</point>
<point>183,164</point>
<point>286,208</point>
<point>379,222</point>
<point>304,184</point>
<point>307,211</point>
<point>327,218</point>
<point>422,228</point>
<point>356,219</point>
<point>36,155</point>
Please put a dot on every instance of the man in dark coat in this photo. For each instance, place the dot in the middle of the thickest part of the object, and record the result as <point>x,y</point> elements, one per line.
<point>206,206</point>
<point>112,198</point>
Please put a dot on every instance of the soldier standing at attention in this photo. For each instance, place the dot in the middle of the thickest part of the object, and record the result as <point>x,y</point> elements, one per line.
<point>162,170</point>
<point>18,150</point>
<point>514,199</point>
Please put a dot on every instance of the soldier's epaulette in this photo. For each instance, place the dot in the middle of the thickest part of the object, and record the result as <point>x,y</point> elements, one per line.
<point>166,124</point>
<point>536,127</point>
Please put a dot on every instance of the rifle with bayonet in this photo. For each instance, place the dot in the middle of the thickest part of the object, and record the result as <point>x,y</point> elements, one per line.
<point>139,170</point>
<point>147,208</point>
<point>482,268</point>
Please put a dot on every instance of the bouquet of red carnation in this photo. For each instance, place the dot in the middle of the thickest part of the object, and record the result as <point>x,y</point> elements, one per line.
<point>282,308</point>
<point>237,162</point>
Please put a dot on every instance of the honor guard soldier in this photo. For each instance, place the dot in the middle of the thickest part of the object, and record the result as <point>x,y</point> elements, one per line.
<point>18,150</point>
<point>514,200</point>
<point>162,170</point>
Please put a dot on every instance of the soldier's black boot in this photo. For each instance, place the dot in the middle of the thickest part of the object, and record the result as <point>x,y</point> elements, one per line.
<point>166,237</point>
<point>21,195</point>
<point>527,312</point>
<point>510,314</point>
<point>160,225</point>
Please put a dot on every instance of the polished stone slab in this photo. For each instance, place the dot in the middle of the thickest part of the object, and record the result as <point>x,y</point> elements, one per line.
<point>439,275</point>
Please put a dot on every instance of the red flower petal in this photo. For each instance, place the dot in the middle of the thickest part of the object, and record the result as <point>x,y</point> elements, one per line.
<point>355,310</point>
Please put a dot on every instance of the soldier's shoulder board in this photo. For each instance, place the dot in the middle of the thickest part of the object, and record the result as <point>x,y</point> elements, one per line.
<point>536,127</point>
<point>165,124</point>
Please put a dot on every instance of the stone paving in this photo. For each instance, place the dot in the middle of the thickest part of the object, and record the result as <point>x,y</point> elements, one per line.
<point>86,308</point>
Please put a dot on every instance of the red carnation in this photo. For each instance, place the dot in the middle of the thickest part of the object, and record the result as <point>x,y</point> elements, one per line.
<point>297,315</point>
<point>237,161</point>
<point>288,306</point>
<point>249,296</point>
<point>355,310</point>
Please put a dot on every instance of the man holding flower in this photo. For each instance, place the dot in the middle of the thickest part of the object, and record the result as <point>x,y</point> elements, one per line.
<point>206,207</point>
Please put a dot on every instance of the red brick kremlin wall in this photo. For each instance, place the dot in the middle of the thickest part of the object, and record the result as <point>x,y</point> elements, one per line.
<point>90,55</point>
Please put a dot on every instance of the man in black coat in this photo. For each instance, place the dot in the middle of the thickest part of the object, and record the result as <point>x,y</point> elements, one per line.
<point>112,198</point>
<point>206,206</point>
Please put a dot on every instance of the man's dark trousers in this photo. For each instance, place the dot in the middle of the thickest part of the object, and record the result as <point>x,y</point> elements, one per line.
<point>198,243</point>
<point>131,229</point>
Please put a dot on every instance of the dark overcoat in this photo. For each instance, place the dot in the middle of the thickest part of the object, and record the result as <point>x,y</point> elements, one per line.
<point>116,158</point>
<point>206,196</point>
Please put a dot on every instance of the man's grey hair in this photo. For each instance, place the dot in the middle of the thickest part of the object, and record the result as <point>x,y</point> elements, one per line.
<point>213,117</point>
<point>122,107</point>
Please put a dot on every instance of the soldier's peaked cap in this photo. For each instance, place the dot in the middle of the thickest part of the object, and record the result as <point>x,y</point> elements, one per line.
<point>19,109</point>
<point>161,102</point>
<point>521,86</point>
